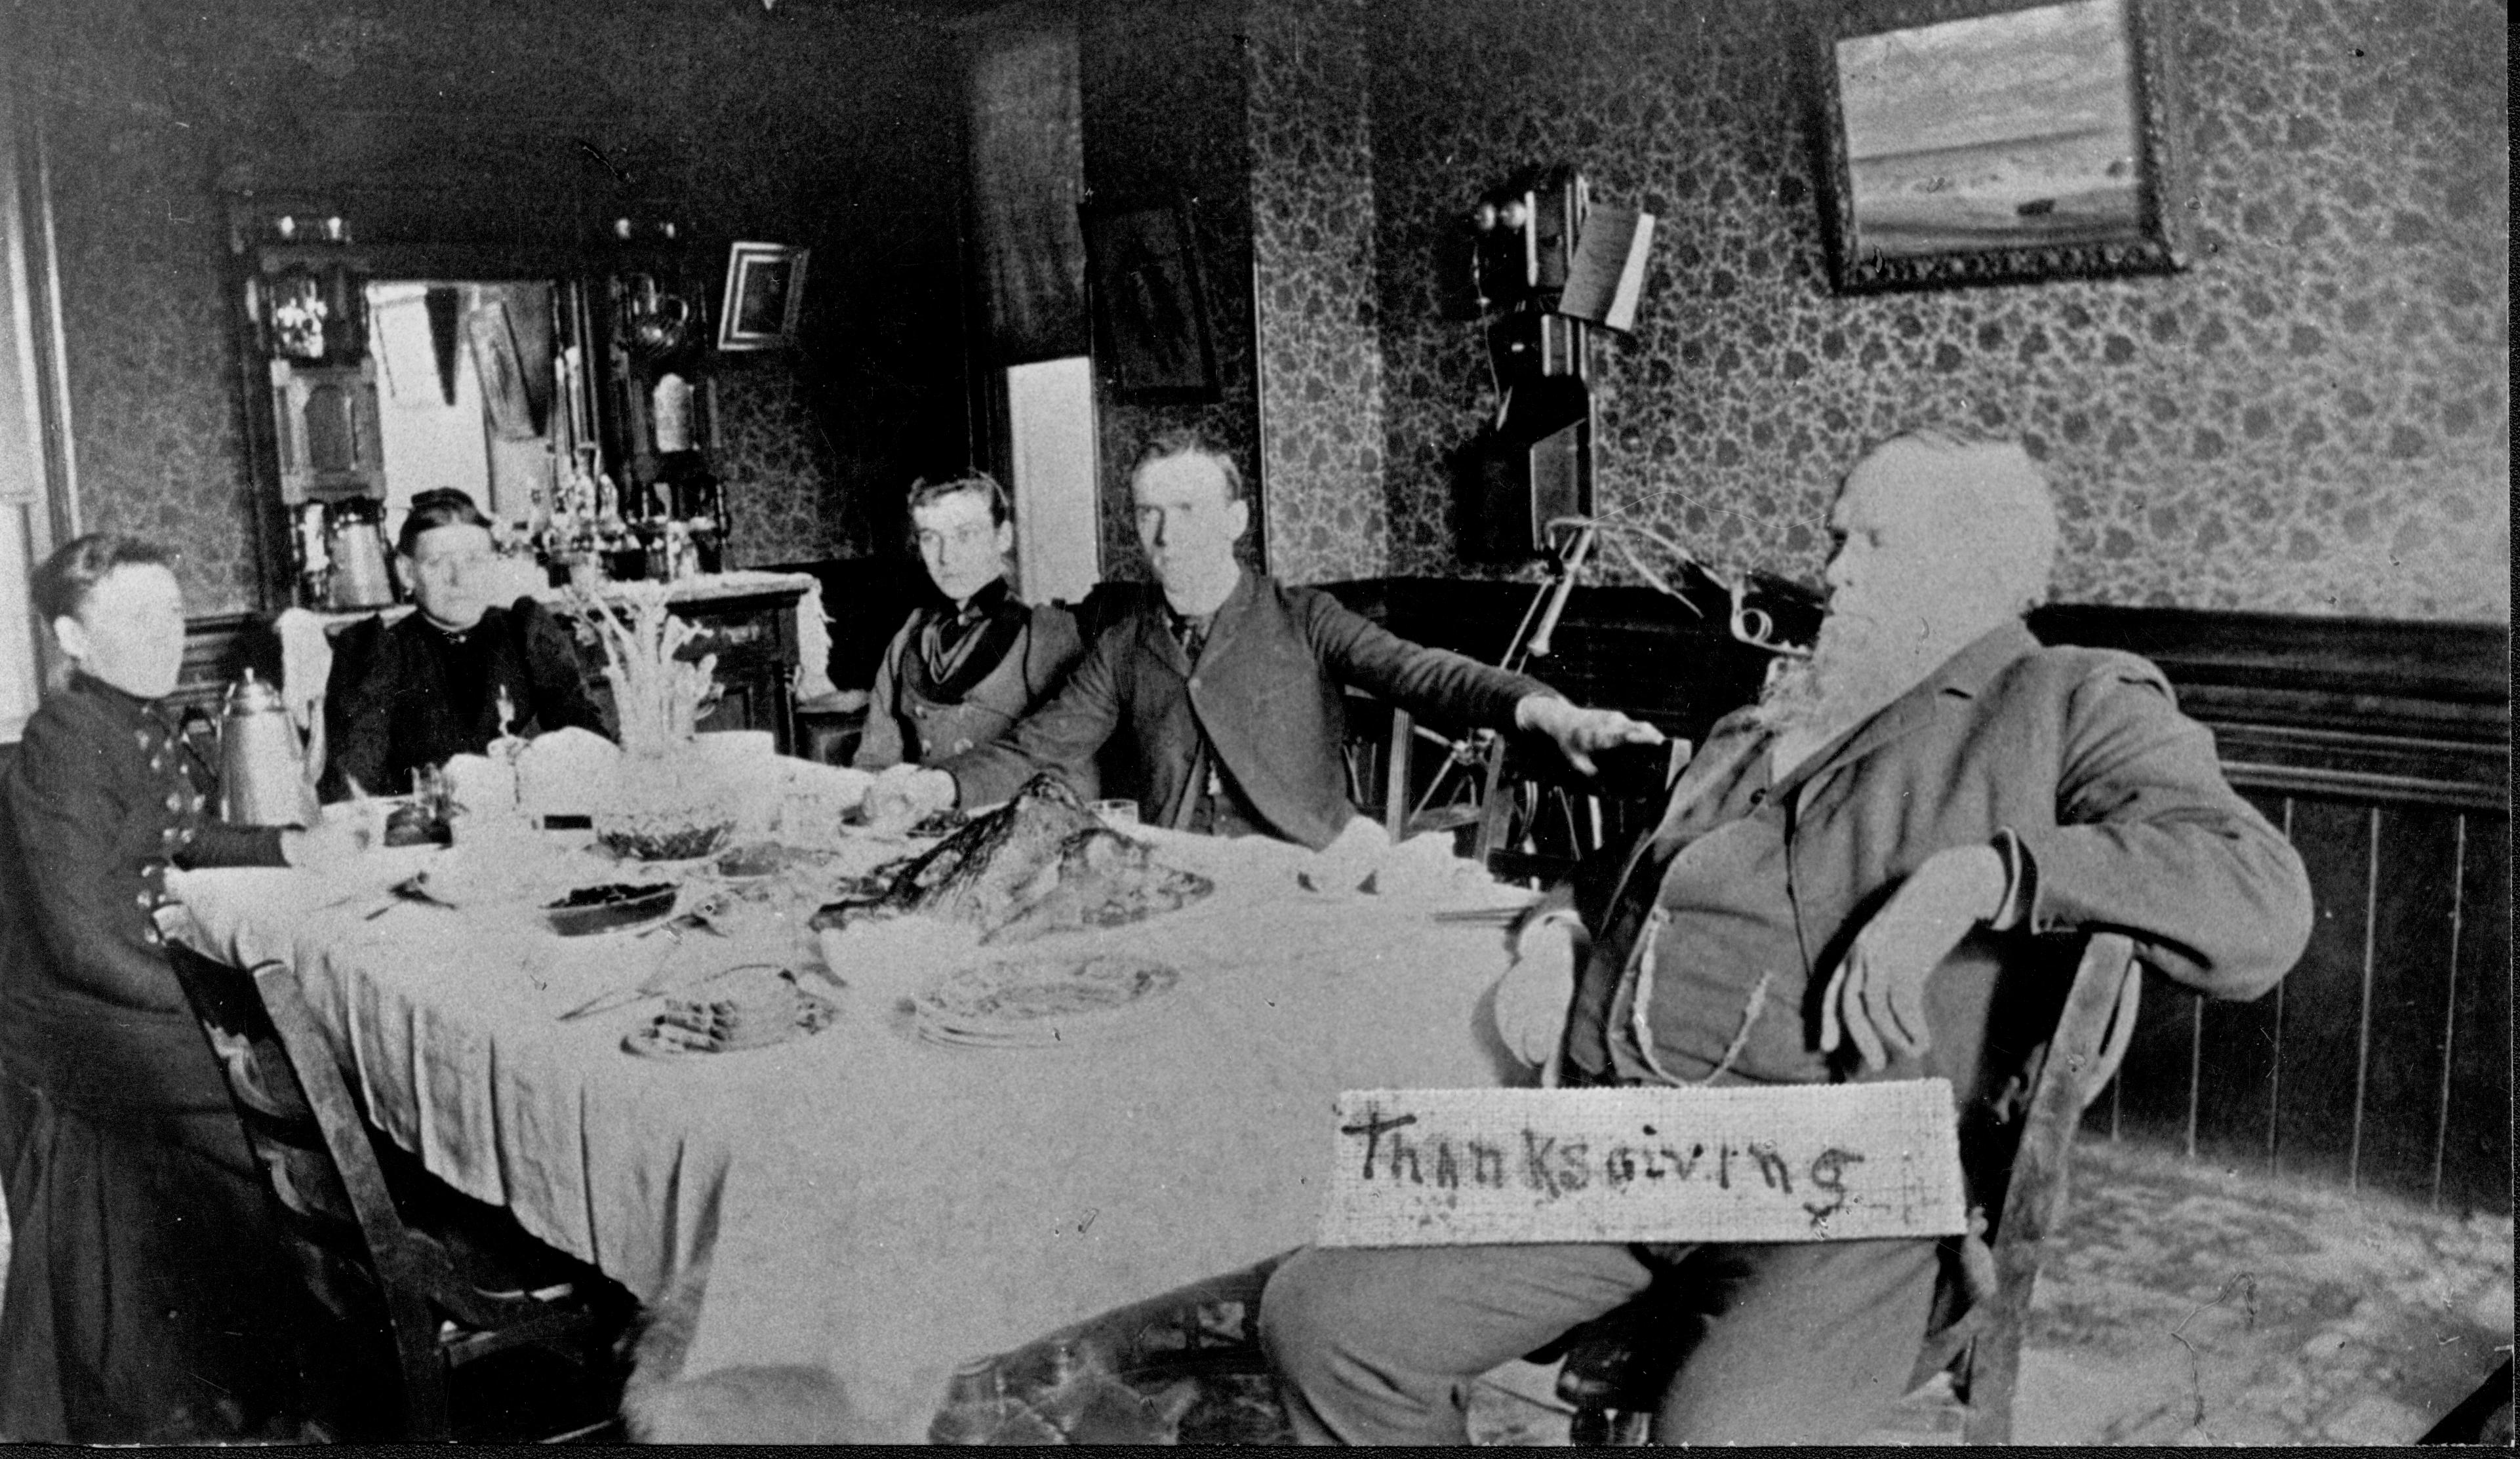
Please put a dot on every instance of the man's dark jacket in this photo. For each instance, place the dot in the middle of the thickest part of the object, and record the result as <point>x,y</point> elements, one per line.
<point>1266,690</point>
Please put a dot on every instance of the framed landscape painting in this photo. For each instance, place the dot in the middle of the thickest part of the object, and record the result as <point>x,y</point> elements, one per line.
<point>1962,144</point>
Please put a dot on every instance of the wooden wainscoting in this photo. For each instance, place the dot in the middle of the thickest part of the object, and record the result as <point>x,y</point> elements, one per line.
<point>2381,749</point>
<point>218,648</point>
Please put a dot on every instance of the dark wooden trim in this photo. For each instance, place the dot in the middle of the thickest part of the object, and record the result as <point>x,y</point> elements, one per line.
<point>2357,708</point>
<point>2451,662</point>
<point>2361,708</point>
<point>2466,781</point>
<point>218,648</point>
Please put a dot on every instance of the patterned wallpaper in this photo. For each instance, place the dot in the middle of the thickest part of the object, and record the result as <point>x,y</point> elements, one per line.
<point>736,124</point>
<point>1313,252</point>
<point>2314,419</point>
<point>150,369</point>
<point>1164,88</point>
<point>771,452</point>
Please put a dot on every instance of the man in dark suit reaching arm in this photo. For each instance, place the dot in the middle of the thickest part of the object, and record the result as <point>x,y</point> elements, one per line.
<point>1216,700</point>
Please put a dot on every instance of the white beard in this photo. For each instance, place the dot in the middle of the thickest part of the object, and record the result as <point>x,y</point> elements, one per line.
<point>1858,666</point>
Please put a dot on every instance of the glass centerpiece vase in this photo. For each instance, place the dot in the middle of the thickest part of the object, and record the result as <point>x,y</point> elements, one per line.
<point>672,803</point>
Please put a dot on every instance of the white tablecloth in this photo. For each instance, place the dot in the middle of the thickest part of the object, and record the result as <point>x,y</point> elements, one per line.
<point>868,1201</point>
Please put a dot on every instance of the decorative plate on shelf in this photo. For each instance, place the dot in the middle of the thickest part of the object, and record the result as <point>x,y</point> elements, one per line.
<point>1042,1001</point>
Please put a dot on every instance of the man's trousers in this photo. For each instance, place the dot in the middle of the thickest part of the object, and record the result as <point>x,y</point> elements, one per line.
<point>1801,1343</point>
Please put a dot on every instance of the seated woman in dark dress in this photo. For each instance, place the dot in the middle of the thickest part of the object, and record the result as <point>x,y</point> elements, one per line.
<point>454,675</point>
<point>966,666</point>
<point>147,1295</point>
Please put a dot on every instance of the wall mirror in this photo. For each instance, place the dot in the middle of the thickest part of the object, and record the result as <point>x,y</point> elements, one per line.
<point>373,374</point>
<point>465,377</point>
<point>518,375</point>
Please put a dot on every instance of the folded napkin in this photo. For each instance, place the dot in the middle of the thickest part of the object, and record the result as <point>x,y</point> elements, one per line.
<point>1343,865</point>
<point>568,771</point>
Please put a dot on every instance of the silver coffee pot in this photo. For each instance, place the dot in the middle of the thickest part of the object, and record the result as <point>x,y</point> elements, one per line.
<point>357,548</point>
<point>264,779</point>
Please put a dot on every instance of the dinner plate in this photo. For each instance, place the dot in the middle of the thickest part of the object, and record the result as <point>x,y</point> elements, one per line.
<point>814,1014</point>
<point>1040,1001</point>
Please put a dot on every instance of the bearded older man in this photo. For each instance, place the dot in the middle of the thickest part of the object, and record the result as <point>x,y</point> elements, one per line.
<point>1828,895</point>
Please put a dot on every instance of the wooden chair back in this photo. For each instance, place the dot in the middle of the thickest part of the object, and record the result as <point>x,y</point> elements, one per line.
<point>393,1297</point>
<point>1521,810</point>
<point>1540,818</point>
<point>1615,1368</point>
<point>357,1256</point>
<point>2077,1063</point>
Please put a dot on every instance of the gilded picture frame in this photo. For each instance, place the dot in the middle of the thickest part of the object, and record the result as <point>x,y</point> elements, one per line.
<point>1962,142</point>
<point>764,298</point>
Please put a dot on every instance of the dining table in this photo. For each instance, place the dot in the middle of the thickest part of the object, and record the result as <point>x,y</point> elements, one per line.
<point>882,1199</point>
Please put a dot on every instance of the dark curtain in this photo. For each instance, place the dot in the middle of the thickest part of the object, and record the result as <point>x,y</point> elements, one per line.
<point>1027,178</point>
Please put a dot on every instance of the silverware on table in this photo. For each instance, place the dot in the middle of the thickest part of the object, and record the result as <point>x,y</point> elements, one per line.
<point>404,892</point>
<point>652,986</point>
<point>702,917</point>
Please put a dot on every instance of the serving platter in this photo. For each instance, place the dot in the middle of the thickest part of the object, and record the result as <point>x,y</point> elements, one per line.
<point>652,1040</point>
<point>1041,1001</point>
<point>629,907</point>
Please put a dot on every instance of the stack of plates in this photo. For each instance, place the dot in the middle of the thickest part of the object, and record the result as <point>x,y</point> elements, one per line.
<point>1042,1001</point>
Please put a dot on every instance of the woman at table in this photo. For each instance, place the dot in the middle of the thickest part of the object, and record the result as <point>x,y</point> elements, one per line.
<point>454,676</point>
<point>966,666</point>
<point>147,1293</point>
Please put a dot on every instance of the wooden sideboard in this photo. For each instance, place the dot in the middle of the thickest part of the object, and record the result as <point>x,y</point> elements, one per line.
<point>753,635</point>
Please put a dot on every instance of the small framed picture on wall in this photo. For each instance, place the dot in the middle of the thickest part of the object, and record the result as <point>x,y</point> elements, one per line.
<point>765,296</point>
<point>1149,308</point>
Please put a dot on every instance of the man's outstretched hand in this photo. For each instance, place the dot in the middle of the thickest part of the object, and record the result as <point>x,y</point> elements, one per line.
<point>1581,732</point>
<point>1876,999</point>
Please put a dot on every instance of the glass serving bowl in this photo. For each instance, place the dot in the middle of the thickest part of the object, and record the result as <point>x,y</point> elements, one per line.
<point>648,839</point>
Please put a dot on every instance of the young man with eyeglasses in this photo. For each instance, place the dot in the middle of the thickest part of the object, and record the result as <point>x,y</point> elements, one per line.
<point>967,665</point>
<point>1215,702</point>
